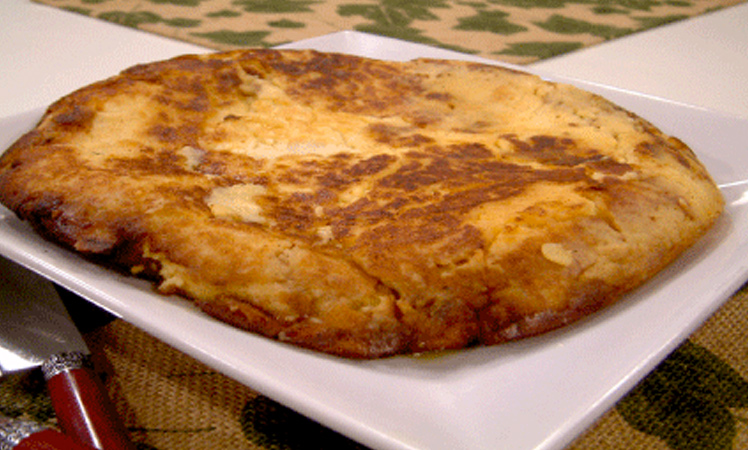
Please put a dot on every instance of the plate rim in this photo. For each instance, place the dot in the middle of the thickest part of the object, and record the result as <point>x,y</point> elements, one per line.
<point>43,262</point>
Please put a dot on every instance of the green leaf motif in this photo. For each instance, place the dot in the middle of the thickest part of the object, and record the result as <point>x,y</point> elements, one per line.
<point>131,19</point>
<point>177,2</point>
<point>565,25</point>
<point>619,5</point>
<point>394,18</point>
<point>136,19</point>
<point>272,426</point>
<point>607,9</point>
<point>275,6</point>
<point>238,38</point>
<point>541,50</point>
<point>476,5</point>
<point>492,21</point>
<point>653,22</point>
<point>182,23</point>
<point>394,12</point>
<point>82,11</point>
<point>534,3</point>
<point>639,5</point>
<point>224,13</point>
<point>686,401</point>
<point>285,23</point>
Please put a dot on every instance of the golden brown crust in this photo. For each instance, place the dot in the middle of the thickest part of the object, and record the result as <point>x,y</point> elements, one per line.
<point>359,207</point>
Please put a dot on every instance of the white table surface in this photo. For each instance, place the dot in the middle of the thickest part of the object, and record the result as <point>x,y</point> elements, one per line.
<point>701,61</point>
<point>47,52</point>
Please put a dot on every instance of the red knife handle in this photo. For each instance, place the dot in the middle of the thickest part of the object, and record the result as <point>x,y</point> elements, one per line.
<point>82,405</point>
<point>18,434</point>
<point>49,439</point>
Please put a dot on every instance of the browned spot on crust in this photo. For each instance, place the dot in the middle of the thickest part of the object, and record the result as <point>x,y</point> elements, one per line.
<point>77,117</point>
<point>428,193</point>
<point>370,166</point>
<point>398,136</point>
<point>610,166</point>
<point>346,83</point>
<point>554,150</point>
<point>440,96</point>
<point>180,135</point>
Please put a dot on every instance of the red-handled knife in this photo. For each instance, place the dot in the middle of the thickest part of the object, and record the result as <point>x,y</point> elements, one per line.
<point>35,329</point>
<point>20,434</point>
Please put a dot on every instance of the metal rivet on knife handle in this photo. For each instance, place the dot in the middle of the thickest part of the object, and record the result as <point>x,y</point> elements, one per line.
<point>64,362</point>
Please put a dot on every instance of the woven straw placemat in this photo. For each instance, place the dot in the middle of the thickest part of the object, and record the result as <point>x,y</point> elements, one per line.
<point>696,399</point>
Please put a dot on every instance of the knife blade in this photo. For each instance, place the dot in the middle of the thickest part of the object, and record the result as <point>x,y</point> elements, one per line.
<point>36,330</point>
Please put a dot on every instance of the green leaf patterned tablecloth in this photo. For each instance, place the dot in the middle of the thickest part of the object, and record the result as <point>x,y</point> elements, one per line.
<point>696,399</point>
<point>516,31</point>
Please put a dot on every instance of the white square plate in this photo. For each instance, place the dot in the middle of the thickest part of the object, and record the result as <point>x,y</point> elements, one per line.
<point>539,393</point>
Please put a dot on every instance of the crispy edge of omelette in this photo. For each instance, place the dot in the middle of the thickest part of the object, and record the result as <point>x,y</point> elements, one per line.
<point>368,298</point>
